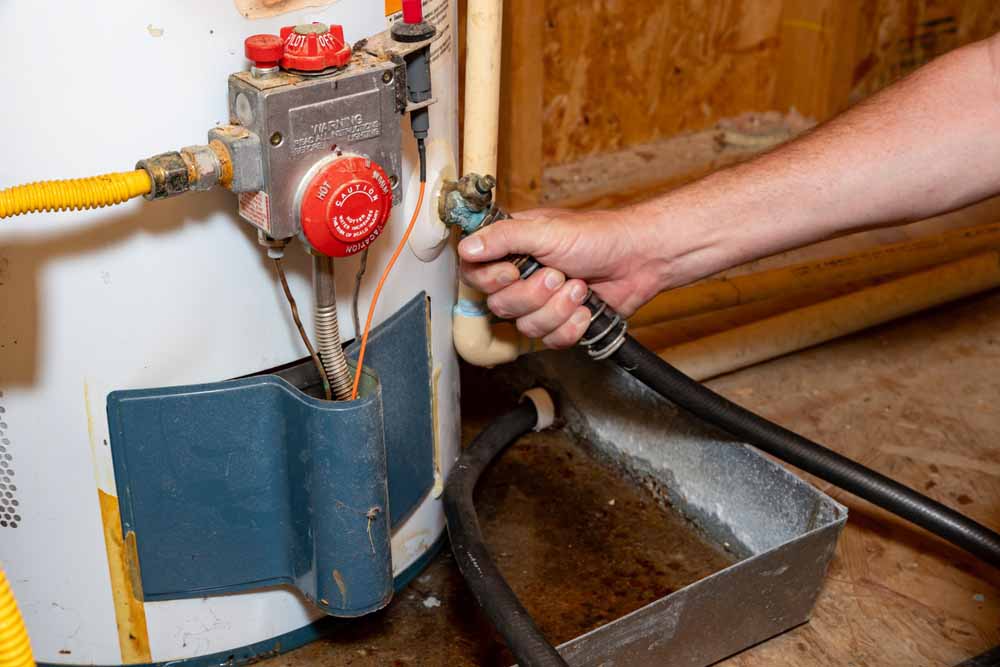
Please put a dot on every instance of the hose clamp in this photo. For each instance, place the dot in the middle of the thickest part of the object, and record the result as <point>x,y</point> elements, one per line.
<point>612,347</point>
<point>609,340</point>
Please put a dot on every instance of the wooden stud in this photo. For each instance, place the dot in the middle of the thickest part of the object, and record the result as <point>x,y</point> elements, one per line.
<point>521,99</point>
<point>817,56</point>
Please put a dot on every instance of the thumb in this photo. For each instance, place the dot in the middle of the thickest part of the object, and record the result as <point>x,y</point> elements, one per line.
<point>499,240</point>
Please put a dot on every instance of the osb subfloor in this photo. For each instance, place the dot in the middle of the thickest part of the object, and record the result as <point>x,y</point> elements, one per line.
<point>917,400</point>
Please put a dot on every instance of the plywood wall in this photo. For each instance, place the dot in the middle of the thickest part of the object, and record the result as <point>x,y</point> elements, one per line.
<point>897,36</point>
<point>624,72</point>
<point>612,75</point>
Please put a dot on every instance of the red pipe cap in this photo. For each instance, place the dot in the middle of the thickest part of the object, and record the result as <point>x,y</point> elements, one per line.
<point>413,11</point>
<point>264,51</point>
<point>313,47</point>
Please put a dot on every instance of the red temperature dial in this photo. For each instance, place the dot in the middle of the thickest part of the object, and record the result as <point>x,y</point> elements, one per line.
<point>345,205</point>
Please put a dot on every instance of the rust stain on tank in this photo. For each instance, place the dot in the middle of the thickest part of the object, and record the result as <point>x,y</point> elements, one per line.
<point>260,9</point>
<point>339,580</point>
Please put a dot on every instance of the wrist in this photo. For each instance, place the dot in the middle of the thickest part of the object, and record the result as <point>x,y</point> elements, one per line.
<point>687,238</point>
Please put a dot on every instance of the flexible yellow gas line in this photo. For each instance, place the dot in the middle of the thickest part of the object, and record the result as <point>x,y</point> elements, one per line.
<point>15,650</point>
<point>74,194</point>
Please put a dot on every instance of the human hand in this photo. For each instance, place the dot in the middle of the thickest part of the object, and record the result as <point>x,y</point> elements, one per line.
<point>609,250</point>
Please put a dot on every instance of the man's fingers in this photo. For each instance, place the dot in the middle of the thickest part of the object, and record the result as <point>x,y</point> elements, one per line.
<point>489,278</point>
<point>570,332</point>
<point>555,312</point>
<point>526,296</point>
<point>497,241</point>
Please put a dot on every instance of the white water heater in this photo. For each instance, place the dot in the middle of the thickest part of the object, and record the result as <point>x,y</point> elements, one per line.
<point>138,344</point>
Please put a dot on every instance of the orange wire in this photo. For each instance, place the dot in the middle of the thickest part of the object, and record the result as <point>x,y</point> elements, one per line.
<point>378,290</point>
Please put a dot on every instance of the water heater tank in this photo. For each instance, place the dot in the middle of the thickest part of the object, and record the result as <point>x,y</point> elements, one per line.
<point>102,310</point>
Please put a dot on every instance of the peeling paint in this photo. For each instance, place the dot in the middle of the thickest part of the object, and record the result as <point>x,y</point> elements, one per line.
<point>417,543</point>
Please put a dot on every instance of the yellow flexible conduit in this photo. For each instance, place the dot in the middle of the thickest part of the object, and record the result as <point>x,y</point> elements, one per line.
<point>15,650</point>
<point>74,194</point>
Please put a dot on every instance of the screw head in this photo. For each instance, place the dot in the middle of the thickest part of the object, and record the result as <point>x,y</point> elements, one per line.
<point>387,76</point>
<point>276,139</point>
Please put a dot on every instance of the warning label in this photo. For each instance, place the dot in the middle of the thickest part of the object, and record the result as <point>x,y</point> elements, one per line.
<point>438,12</point>
<point>255,208</point>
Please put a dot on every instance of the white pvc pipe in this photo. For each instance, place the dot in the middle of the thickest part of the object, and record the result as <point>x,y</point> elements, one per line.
<point>484,37</point>
<point>476,341</point>
<point>795,330</point>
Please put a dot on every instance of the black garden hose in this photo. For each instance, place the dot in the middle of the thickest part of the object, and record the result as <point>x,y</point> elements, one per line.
<point>498,601</point>
<point>483,577</point>
<point>607,338</point>
<point>807,455</point>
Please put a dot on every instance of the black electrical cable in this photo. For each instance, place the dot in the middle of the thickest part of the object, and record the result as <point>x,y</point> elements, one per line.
<point>483,577</point>
<point>422,154</point>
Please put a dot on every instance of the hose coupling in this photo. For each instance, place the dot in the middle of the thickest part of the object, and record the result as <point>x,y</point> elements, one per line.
<point>169,174</point>
<point>468,204</point>
<point>192,168</point>
<point>205,166</point>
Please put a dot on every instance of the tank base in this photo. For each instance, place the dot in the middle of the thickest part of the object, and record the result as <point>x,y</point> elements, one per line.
<point>275,646</point>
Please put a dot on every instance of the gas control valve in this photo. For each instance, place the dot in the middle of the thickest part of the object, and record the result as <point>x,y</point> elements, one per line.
<point>314,140</point>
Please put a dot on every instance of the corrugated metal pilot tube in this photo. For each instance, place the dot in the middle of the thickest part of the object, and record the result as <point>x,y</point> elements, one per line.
<point>15,649</point>
<point>328,344</point>
<point>74,194</point>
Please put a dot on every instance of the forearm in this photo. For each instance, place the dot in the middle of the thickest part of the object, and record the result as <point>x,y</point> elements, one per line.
<point>928,144</point>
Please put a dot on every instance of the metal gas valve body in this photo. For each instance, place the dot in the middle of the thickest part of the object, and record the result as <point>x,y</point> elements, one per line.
<point>316,152</point>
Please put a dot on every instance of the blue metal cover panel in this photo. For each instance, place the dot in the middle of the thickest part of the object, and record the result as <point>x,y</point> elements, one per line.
<point>251,482</point>
<point>399,351</point>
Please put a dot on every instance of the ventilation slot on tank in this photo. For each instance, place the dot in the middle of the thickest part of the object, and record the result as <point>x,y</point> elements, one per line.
<point>10,506</point>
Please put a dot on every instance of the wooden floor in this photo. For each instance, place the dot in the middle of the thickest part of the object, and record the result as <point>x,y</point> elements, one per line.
<point>918,400</point>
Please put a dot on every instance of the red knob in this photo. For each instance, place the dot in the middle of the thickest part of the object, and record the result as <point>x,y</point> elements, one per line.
<point>313,47</point>
<point>264,51</point>
<point>345,205</point>
<point>413,11</point>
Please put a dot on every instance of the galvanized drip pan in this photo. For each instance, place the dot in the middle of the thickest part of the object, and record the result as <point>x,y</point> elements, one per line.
<point>782,531</point>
